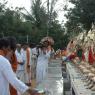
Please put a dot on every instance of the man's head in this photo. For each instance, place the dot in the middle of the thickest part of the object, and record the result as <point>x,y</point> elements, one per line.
<point>4,45</point>
<point>12,47</point>
<point>18,47</point>
<point>12,42</point>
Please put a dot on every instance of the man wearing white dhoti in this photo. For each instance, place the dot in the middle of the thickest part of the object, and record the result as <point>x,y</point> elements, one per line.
<point>20,67</point>
<point>42,64</point>
<point>33,62</point>
<point>26,53</point>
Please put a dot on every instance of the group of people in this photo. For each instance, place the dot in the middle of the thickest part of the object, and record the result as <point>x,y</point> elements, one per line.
<point>82,54</point>
<point>20,64</point>
<point>78,50</point>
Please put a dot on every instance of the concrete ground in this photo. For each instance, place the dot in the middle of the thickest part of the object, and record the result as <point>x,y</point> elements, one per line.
<point>54,82</point>
<point>55,79</point>
<point>57,84</point>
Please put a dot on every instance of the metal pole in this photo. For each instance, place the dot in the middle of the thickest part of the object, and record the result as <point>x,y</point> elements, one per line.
<point>48,5</point>
<point>48,17</point>
<point>27,38</point>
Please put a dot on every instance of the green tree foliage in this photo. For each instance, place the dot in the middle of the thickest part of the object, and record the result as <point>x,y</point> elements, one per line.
<point>81,16</point>
<point>32,27</point>
<point>46,22</point>
<point>57,32</point>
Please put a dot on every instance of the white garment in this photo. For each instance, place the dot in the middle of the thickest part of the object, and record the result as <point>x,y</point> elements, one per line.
<point>7,76</point>
<point>23,53</point>
<point>27,76</point>
<point>34,51</point>
<point>42,66</point>
<point>20,68</point>
<point>33,62</point>
<point>33,54</point>
<point>19,59</point>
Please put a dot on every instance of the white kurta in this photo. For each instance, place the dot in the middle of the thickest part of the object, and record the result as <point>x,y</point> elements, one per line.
<point>27,76</point>
<point>7,76</point>
<point>20,68</point>
<point>19,59</point>
<point>42,66</point>
<point>33,62</point>
<point>33,56</point>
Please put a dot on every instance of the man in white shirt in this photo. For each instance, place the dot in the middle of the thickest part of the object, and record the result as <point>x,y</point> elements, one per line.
<point>33,62</point>
<point>20,66</point>
<point>7,75</point>
<point>26,54</point>
<point>42,63</point>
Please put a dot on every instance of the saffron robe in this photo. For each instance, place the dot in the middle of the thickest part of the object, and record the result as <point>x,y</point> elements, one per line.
<point>14,67</point>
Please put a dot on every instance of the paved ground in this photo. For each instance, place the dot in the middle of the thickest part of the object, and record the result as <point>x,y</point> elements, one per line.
<point>55,79</point>
<point>54,82</point>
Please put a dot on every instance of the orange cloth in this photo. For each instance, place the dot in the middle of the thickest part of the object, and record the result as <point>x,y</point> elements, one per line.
<point>2,53</point>
<point>14,67</point>
<point>12,90</point>
<point>14,62</point>
<point>64,53</point>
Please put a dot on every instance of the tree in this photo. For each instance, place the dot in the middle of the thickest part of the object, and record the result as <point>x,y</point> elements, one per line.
<point>33,25</point>
<point>39,18</point>
<point>2,10</point>
<point>81,16</point>
<point>45,21</point>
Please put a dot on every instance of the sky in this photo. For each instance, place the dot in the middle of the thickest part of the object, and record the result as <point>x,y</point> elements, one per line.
<point>27,5</point>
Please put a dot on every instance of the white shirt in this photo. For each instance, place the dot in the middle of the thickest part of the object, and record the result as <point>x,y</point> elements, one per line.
<point>19,56</point>
<point>42,65</point>
<point>33,55</point>
<point>43,58</point>
<point>19,59</point>
<point>7,76</point>
<point>23,53</point>
<point>34,51</point>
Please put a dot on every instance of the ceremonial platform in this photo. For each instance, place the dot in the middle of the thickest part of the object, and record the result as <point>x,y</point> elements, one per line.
<point>76,80</point>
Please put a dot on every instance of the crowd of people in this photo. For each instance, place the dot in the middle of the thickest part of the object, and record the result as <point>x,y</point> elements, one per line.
<point>20,64</point>
<point>78,51</point>
<point>81,53</point>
